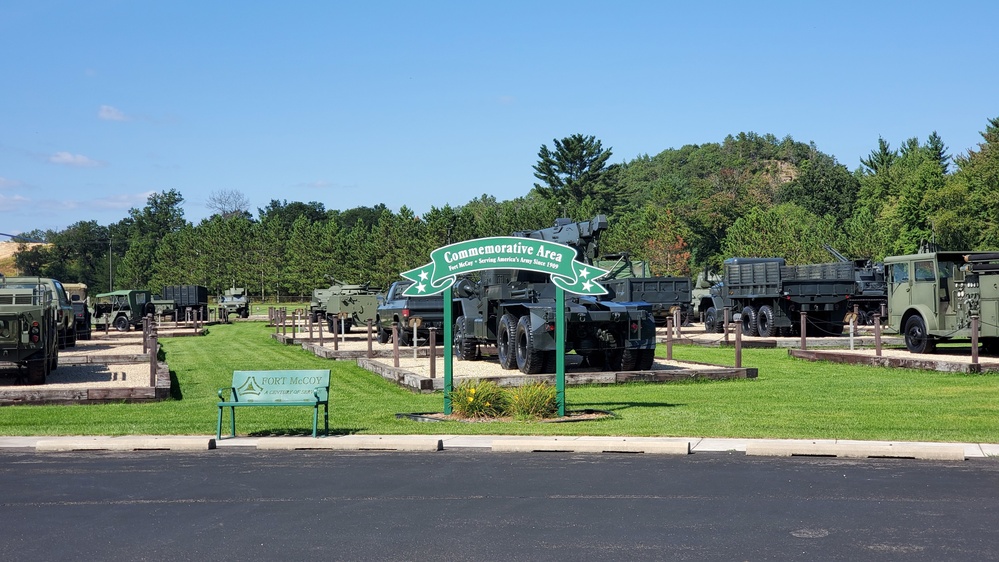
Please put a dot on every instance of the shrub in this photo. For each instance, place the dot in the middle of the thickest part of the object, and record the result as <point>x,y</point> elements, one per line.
<point>534,400</point>
<point>478,399</point>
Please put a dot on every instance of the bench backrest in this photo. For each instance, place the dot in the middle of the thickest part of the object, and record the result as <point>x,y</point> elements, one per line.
<point>280,386</point>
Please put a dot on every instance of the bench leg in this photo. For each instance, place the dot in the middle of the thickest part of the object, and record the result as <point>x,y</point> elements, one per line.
<point>218,431</point>
<point>232,416</point>
<point>315,419</point>
<point>326,419</point>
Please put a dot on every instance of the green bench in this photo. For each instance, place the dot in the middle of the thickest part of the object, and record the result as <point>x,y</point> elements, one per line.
<point>277,388</point>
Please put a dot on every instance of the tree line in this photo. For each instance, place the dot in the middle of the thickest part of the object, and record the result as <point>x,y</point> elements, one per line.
<point>681,211</point>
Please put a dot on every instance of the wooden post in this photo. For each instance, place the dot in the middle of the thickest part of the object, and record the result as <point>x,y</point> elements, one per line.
<point>738,348</point>
<point>153,362</point>
<point>725,316</point>
<point>804,328</point>
<point>395,344</point>
<point>415,341</point>
<point>677,321</point>
<point>669,339</point>
<point>370,337</point>
<point>974,340</point>
<point>310,327</point>
<point>322,326</point>
<point>877,335</point>
<point>145,334</point>
<point>853,326</point>
<point>336,340</point>
<point>433,353</point>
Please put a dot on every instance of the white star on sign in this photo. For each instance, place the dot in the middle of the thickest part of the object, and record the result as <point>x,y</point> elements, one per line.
<point>423,275</point>
<point>587,286</point>
<point>421,288</point>
<point>584,273</point>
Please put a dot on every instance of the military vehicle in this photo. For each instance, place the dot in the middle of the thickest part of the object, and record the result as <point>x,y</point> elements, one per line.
<point>77,293</point>
<point>188,301</point>
<point>122,309</point>
<point>871,294</point>
<point>426,312</point>
<point>347,305</point>
<point>235,302</point>
<point>29,329</point>
<point>60,302</point>
<point>515,311</point>
<point>933,296</point>
<point>629,281</point>
<point>766,297</point>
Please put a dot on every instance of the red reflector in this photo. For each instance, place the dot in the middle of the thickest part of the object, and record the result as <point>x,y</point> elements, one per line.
<point>634,326</point>
<point>405,313</point>
<point>550,327</point>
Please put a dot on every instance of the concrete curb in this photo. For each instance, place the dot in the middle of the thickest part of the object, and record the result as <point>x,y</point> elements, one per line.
<point>355,443</point>
<point>591,445</point>
<point>125,444</point>
<point>857,450</point>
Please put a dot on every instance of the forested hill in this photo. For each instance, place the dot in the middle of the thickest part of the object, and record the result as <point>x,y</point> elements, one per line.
<point>680,210</point>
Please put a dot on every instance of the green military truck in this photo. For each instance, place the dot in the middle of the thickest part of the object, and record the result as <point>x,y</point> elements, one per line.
<point>29,329</point>
<point>121,310</point>
<point>63,308</point>
<point>933,297</point>
<point>234,302</point>
<point>77,293</point>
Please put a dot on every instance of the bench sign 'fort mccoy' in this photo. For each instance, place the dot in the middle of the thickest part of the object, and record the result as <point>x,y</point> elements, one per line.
<point>504,252</point>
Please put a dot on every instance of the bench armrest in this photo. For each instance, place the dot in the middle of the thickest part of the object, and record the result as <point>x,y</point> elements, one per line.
<point>222,397</point>
<point>321,393</point>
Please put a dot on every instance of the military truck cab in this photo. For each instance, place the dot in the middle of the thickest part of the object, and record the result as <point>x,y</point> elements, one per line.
<point>933,297</point>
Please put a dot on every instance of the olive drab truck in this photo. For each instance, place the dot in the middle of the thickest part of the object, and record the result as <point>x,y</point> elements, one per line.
<point>515,310</point>
<point>234,302</point>
<point>346,305</point>
<point>121,310</point>
<point>766,297</point>
<point>937,296</point>
<point>29,329</point>
<point>77,293</point>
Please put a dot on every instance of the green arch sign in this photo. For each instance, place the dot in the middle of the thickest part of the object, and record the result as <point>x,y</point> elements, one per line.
<point>505,252</point>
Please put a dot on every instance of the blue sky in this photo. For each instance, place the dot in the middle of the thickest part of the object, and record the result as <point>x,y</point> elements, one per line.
<point>431,103</point>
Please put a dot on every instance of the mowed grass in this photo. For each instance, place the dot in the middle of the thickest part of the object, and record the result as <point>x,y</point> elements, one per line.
<point>791,398</point>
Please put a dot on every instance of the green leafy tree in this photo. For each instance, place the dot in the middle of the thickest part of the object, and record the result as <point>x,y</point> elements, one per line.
<point>574,170</point>
<point>787,231</point>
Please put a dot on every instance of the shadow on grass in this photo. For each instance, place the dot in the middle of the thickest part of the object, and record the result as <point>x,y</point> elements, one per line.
<point>613,406</point>
<point>304,432</point>
<point>175,392</point>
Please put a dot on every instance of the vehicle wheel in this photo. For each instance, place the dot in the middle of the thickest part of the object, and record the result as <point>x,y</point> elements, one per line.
<point>750,321</point>
<point>314,317</point>
<point>614,360</point>
<point>62,339</point>
<point>646,357</point>
<point>990,346</point>
<point>149,309</point>
<point>71,338</point>
<point>505,333</point>
<point>530,360</point>
<point>244,313</point>
<point>711,320</point>
<point>54,362</point>
<point>38,368</point>
<point>765,322</point>
<point>121,324</point>
<point>916,338</point>
<point>550,362</point>
<point>85,335</point>
<point>384,335</point>
<point>629,357</point>
<point>405,333</point>
<point>464,347</point>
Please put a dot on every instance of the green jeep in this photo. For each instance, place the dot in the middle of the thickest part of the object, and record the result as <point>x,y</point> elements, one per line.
<point>121,309</point>
<point>28,329</point>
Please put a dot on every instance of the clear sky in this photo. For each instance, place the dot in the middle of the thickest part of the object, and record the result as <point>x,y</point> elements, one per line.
<point>427,103</point>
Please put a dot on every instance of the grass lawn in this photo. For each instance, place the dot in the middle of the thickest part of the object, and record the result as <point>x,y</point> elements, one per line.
<point>791,398</point>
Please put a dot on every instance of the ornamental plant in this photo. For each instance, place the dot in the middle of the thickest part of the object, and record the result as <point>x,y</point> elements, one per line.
<point>479,399</point>
<point>533,401</point>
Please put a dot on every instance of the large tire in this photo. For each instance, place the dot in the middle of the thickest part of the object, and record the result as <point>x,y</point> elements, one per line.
<point>550,362</point>
<point>711,320</point>
<point>465,348</point>
<point>121,323</point>
<point>530,360</point>
<point>244,313</point>
<point>990,346</point>
<point>646,357</point>
<point>383,335</point>
<point>629,358</point>
<point>38,368</point>
<point>506,331</point>
<point>750,321</point>
<point>917,340</point>
<point>765,322</point>
<point>71,338</point>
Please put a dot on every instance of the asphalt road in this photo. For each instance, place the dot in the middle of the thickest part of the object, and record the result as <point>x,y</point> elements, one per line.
<point>463,505</point>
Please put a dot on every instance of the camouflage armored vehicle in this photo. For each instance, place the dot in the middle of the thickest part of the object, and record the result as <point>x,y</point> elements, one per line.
<point>515,310</point>
<point>235,301</point>
<point>122,309</point>
<point>60,302</point>
<point>353,304</point>
<point>29,332</point>
<point>933,296</point>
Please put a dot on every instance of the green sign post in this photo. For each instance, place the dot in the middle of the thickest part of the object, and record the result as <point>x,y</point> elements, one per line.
<point>505,252</point>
